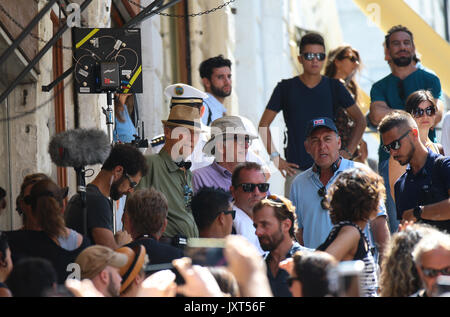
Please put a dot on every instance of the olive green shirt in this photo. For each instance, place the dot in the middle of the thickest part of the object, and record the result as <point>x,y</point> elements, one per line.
<point>165,176</point>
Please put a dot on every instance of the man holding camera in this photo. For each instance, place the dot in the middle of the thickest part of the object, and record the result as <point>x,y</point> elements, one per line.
<point>422,193</point>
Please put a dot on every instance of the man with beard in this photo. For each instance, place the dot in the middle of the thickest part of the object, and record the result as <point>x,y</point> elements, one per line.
<point>215,73</point>
<point>391,92</point>
<point>422,192</point>
<point>274,220</point>
<point>101,265</point>
<point>119,175</point>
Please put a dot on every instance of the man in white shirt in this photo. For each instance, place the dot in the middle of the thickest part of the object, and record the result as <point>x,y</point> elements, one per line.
<point>248,187</point>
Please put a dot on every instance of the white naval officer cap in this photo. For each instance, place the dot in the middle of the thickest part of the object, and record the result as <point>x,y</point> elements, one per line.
<point>182,94</point>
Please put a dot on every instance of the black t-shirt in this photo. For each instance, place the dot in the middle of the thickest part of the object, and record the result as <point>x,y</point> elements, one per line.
<point>30,243</point>
<point>301,104</point>
<point>158,252</point>
<point>99,211</point>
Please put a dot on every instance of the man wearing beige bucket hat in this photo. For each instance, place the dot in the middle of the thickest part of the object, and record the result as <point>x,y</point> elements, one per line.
<point>101,265</point>
<point>228,144</point>
<point>169,171</point>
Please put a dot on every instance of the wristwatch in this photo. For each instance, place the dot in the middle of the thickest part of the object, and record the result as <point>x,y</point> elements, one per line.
<point>273,155</point>
<point>417,212</point>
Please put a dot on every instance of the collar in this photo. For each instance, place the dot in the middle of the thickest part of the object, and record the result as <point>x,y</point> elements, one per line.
<point>220,169</point>
<point>170,164</point>
<point>428,164</point>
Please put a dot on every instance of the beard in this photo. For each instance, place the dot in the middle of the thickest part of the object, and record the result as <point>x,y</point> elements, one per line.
<point>114,192</point>
<point>408,156</point>
<point>270,243</point>
<point>402,61</point>
<point>219,92</point>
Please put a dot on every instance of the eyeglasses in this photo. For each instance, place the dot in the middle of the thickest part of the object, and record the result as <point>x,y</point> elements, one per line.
<point>249,187</point>
<point>290,280</point>
<point>433,272</point>
<point>132,184</point>
<point>322,192</point>
<point>419,112</point>
<point>395,145</point>
<point>352,58</point>
<point>239,139</point>
<point>310,56</point>
<point>226,212</point>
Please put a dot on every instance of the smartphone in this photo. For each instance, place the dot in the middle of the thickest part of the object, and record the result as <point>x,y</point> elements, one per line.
<point>344,279</point>
<point>206,251</point>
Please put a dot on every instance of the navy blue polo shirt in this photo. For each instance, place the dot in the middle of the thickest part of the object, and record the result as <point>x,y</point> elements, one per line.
<point>300,104</point>
<point>423,189</point>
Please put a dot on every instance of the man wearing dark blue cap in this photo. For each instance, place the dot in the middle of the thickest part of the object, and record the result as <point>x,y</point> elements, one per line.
<point>309,188</point>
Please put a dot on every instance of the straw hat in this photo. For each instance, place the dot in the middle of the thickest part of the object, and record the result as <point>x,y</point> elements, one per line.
<point>184,116</point>
<point>136,260</point>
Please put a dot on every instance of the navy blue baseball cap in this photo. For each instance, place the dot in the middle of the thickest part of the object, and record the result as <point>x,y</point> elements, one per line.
<point>319,123</point>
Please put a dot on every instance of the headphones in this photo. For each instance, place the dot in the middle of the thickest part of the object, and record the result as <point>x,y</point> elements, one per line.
<point>334,166</point>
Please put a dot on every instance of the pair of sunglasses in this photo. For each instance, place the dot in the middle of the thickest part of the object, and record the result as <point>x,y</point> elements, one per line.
<point>250,187</point>
<point>132,184</point>
<point>395,145</point>
<point>322,192</point>
<point>419,112</point>
<point>311,56</point>
<point>226,212</point>
<point>239,139</point>
<point>434,272</point>
<point>352,58</point>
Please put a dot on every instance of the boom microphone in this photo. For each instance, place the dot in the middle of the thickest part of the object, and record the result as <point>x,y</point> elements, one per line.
<point>79,147</point>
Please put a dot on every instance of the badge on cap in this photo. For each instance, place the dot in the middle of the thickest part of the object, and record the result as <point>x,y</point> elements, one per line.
<point>179,90</point>
<point>319,121</point>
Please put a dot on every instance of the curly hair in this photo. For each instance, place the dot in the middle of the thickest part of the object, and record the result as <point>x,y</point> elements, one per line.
<point>354,195</point>
<point>127,156</point>
<point>207,66</point>
<point>399,277</point>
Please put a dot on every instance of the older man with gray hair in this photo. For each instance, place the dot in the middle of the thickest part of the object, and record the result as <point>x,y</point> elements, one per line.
<point>432,258</point>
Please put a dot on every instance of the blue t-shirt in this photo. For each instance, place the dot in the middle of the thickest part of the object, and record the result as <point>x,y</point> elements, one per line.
<point>424,188</point>
<point>124,131</point>
<point>389,90</point>
<point>301,104</point>
<point>311,217</point>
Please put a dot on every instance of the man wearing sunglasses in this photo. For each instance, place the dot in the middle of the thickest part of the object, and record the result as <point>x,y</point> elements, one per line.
<point>391,92</point>
<point>422,192</point>
<point>432,258</point>
<point>302,98</point>
<point>248,187</point>
<point>310,187</point>
<point>120,174</point>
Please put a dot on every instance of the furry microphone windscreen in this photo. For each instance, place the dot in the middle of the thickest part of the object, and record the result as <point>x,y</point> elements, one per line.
<point>79,147</point>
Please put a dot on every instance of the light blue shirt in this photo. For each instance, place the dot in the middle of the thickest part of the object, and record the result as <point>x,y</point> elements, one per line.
<point>124,131</point>
<point>214,108</point>
<point>315,220</point>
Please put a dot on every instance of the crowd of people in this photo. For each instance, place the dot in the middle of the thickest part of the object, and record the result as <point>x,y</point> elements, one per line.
<point>200,218</point>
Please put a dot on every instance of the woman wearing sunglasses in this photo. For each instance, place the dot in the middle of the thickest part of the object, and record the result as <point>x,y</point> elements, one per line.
<point>343,63</point>
<point>422,107</point>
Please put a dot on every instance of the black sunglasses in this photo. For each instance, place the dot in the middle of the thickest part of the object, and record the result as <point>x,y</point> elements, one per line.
<point>132,184</point>
<point>352,58</point>
<point>395,145</point>
<point>249,187</point>
<point>290,280</point>
<point>433,272</point>
<point>322,192</point>
<point>310,56</point>
<point>226,212</point>
<point>419,112</point>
